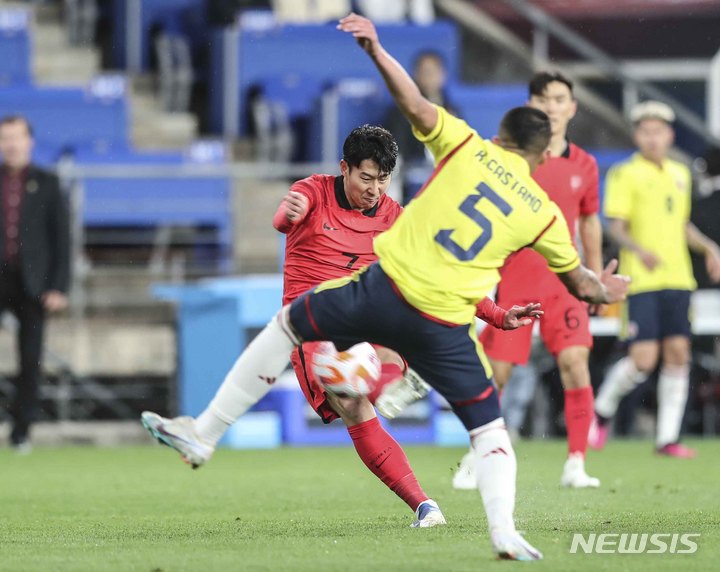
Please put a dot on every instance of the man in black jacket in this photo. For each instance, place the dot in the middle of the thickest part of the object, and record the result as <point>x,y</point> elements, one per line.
<point>34,260</point>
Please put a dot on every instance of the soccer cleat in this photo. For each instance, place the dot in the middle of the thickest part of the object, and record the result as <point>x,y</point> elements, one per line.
<point>427,515</point>
<point>510,545</point>
<point>598,434</point>
<point>574,475</point>
<point>397,395</point>
<point>464,478</point>
<point>179,434</point>
<point>676,450</point>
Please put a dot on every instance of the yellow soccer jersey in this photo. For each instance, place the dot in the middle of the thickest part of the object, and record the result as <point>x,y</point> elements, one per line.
<point>479,206</point>
<point>656,204</point>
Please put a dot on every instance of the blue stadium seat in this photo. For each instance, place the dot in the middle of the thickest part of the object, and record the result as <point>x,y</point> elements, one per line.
<point>318,51</point>
<point>65,118</point>
<point>483,106</point>
<point>151,202</point>
<point>15,50</point>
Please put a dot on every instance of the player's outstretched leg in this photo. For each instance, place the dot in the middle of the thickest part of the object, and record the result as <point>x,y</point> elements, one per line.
<point>622,378</point>
<point>575,376</point>
<point>385,457</point>
<point>245,384</point>
<point>673,386</point>
<point>496,472</point>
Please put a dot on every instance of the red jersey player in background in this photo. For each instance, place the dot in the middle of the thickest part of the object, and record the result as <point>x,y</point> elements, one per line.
<point>570,177</point>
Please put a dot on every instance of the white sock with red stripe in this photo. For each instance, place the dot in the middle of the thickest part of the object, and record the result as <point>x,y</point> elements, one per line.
<point>672,393</point>
<point>250,378</point>
<point>496,472</point>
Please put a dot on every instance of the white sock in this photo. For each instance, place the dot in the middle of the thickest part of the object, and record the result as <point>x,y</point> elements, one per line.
<point>622,378</point>
<point>672,395</point>
<point>496,471</point>
<point>248,381</point>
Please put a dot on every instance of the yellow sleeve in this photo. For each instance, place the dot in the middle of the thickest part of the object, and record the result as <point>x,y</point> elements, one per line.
<point>618,194</point>
<point>448,133</point>
<point>555,245</point>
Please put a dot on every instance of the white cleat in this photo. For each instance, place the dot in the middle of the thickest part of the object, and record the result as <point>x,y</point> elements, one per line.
<point>574,475</point>
<point>510,545</point>
<point>427,515</point>
<point>396,396</point>
<point>464,478</point>
<point>179,434</point>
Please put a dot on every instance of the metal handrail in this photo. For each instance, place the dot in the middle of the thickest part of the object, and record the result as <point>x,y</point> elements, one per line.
<point>612,68</point>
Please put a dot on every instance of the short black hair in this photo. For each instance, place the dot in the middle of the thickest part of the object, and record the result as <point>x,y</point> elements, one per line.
<point>15,118</point>
<point>539,82</point>
<point>527,128</point>
<point>374,143</point>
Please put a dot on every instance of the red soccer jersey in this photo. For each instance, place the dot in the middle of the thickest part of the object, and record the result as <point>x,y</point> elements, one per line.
<point>332,240</point>
<point>571,181</point>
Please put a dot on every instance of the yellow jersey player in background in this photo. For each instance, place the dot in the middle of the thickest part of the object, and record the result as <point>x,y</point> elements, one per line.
<point>647,200</point>
<point>439,259</point>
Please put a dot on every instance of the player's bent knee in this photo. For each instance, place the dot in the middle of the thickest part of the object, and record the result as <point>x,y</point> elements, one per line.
<point>387,355</point>
<point>480,411</point>
<point>352,410</point>
<point>282,319</point>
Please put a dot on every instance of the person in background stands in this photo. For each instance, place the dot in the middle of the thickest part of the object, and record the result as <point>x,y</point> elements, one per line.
<point>35,260</point>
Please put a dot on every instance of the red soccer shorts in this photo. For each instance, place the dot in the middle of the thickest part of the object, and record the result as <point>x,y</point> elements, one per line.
<point>565,324</point>
<point>313,390</point>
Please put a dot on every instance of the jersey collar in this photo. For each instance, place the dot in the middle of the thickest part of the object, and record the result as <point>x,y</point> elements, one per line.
<point>343,200</point>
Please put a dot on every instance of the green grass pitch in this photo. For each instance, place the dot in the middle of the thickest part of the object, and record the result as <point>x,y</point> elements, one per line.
<point>141,509</point>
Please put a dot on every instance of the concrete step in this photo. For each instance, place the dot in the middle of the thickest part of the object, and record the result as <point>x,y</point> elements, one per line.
<point>55,61</point>
<point>94,433</point>
<point>100,347</point>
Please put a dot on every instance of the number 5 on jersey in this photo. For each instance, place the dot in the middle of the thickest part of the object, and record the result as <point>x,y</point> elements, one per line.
<point>467,207</point>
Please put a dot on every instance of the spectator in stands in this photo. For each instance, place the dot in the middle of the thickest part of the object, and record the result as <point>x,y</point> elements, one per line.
<point>647,202</point>
<point>430,75</point>
<point>34,260</point>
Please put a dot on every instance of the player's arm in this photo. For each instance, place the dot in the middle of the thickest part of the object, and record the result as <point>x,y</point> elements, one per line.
<point>555,245</point>
<point>422,114</point>
<point>619,233</point>
<point>701,244</point>
<point>585,285</point>
<point>590,231</point>
<point>589,226</point>
<point>292,211</point>
<point>512,319</point>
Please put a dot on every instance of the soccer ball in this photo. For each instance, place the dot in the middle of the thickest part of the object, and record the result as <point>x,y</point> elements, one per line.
<point>351,373</point>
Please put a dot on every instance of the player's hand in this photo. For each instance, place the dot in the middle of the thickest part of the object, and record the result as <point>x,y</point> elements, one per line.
<point>649,259</point>
<point>712,263</point>
<point>296,206</point>
<point>54,301</point>
<point>597,309</point>
<point>363,30</point>
<point>616,285</point>
<point>519,316</point>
